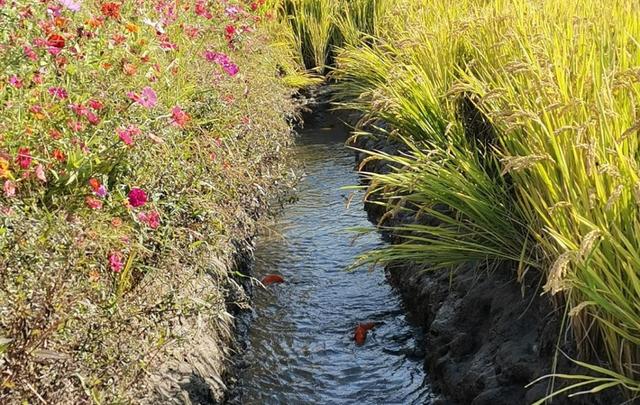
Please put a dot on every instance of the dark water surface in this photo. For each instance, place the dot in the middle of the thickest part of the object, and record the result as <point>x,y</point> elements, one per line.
<point>300,343</point>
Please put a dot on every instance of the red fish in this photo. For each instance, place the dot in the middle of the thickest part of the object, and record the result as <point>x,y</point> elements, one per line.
<point>271,279</point>
<point>360,335</point>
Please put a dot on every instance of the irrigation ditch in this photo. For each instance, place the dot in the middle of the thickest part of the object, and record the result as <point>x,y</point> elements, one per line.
<point>472,336</point>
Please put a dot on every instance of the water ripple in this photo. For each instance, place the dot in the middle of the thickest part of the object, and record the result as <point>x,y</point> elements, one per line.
<point>300,344</point>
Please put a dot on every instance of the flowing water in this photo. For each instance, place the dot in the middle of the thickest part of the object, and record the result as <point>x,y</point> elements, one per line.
<point>300,347</point>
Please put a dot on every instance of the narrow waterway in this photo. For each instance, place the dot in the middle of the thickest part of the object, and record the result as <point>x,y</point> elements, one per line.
<point>301,347</point>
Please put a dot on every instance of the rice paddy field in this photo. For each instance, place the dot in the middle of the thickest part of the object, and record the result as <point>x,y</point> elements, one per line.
<point>520,124</point>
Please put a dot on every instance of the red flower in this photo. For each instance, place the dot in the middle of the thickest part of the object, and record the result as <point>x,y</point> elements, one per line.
<point>55,134</point>
<point>94,183</point>
<point>55,41</point>
<point>230,31</point>
<point>59,155</point>
<point>96,105</point>
<point>137,197</point>
<point>111,10</point>
<point>24,158</point>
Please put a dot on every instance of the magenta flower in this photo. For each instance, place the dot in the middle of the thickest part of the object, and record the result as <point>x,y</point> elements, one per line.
<point>30,53</point>
<point>151,219</point>
<point>126,134</point>
<point>92,118</point>
<point>101,191</point>
<point>223,61</point>
<point>116,262</point>
<point>24,158</point>
<point>58,92</point>
<point>125,137</point>
<point>137,197</point>
<point>15,81</point>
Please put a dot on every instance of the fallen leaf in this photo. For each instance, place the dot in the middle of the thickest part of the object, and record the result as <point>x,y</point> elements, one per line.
<point>271,279</point>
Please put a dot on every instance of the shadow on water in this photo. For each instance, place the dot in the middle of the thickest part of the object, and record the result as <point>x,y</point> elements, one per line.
<point>300,347</point>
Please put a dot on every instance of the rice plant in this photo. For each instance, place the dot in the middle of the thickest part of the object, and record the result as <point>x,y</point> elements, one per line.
<point>557,84</point>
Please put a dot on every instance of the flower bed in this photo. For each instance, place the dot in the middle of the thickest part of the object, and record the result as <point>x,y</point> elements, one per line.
<point>138,140</point>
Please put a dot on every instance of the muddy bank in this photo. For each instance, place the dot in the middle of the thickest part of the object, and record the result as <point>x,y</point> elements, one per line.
<point>486,336</point>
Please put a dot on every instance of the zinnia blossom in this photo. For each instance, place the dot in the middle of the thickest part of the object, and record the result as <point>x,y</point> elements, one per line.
<point>59,155</point>
<point>151,219</point>
<point>24,158</point>
<point>148,98</point>
<point>126,134</point>
<point>15,81</point>
<point>55,41</point>
<point>230,32</point>
<point>93,203</point>
<point>99,189</point>
<point>71,5</point>
<point>40,173</point>
<point>58,92</point>
<point>95,104</point>
<point>94,184</point>
<point>116,262</point>
<point>179,117</point>
<point>9,188</point>
<point>30,53</point>
<point>223,61</point>
<point>137,197</point>
<point>111,10</point>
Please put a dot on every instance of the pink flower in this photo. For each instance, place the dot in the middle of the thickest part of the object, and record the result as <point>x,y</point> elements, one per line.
<point>24,158</point>
<point>148,98</point>
<point>151,218</point>
<point>79,109</point>
<point>75,126</point>
<point>15,81</point>
<point>137,197</point>
<point>92,118</point>
<point>93,203</point>
<point>179,117</point>
<point>58,92</point>
<point>232,11</point>
<point>231,69</point>
<point>40,173</point>
<point>71,5</point>
<point>126,134</point>
<point>223,61</point>
<point>9,188</point>
<point>202,11</point>
<point>30,53</point>
<point>116,262</point>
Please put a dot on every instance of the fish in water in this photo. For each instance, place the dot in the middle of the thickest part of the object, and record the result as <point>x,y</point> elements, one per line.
<point>271,279</point>
<point>360,335</point>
